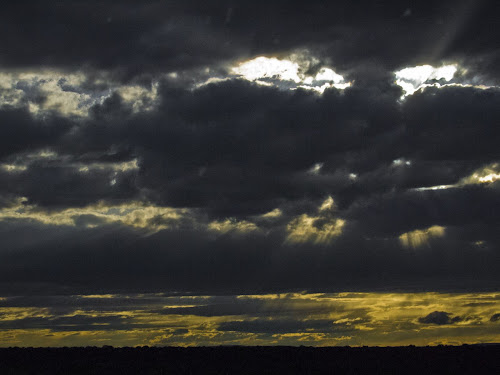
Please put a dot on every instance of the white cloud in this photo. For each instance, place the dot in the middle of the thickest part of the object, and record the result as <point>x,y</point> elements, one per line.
<point>289,72</point>
<point>484,175</point>
<point>265,67</point>
<point>414,78</point>
<point>326,74</point>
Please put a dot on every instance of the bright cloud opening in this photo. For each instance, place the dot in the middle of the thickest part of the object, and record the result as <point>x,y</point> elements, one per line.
<point>414,78</point>
<point>316,168</point>
<point>485,175</point>
<point>321,229</point>
<point>421,237</point>
<point>262,69</point>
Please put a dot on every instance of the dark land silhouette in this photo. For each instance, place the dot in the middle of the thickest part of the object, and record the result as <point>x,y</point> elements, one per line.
<point>466,359</point>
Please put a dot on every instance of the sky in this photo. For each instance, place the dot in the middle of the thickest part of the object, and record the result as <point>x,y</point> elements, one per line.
<point>249,173</point>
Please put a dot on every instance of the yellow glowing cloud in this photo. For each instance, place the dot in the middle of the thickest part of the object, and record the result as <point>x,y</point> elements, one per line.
<point>356,319</point>
<point>327,205</point>
<point>272,214</point>
<point>64,94</point>
<point>140,98</point>
<point>420,237</point>
<point>487,174</point>
<point>13,168</point>
<point>102,296</point>
<point>134,214</point>
<point>321,229</point>
<point>304,229</point>
<point>117,167</point>
<point>232,225</point>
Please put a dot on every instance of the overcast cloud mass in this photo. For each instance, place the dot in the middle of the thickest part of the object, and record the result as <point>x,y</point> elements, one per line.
<point>231,148</point>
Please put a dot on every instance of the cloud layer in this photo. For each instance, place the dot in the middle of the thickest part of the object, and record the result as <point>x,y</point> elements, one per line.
<point>234,148</point>
<point>265,319</point>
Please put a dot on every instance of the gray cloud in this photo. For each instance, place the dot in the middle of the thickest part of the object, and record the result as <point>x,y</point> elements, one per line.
<point>439,318</point>
<point>271,326</point>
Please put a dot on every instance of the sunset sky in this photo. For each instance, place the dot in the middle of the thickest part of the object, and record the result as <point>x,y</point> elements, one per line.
<point>255,173</point>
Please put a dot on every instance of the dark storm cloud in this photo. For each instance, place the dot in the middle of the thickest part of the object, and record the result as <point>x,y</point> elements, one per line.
<point>8,200</point>
<point>72,323</point>
<point>66,304</point>
<point>230,305</point>
<point>220,307</point>
<point>439,318</point>
<point>68,180</point>
<point>238,149</point>
<point>241,148</point>
<point>117,259</point>
<point>400,212</point>
<point>272,326</point>
<point>21,132</point>
<point>138,39</point>
<point>133,39</point>
<point>440,122</point>
<point>63,186</point>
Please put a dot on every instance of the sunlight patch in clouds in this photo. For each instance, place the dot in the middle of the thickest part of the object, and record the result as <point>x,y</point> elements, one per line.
<point>139,97</point>
<point>116,167</point>
<point>485,175</point>
<point>265,67</point>
<point>276,213</point>
<point>232,226</point>
<point>22,162</point>
<point>421,237</point>
<point>13,168</point>
<point>321,229</point>
<point>68,94</point>
<point>269,70</point>
<point>46,90</point>
<point>316,168</point>
<point>305,228</point>
<point>133,214</point>
<point>327,205</point>
<point>414,78</point>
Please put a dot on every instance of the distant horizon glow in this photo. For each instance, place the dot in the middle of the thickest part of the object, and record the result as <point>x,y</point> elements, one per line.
<point>317,319</point>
